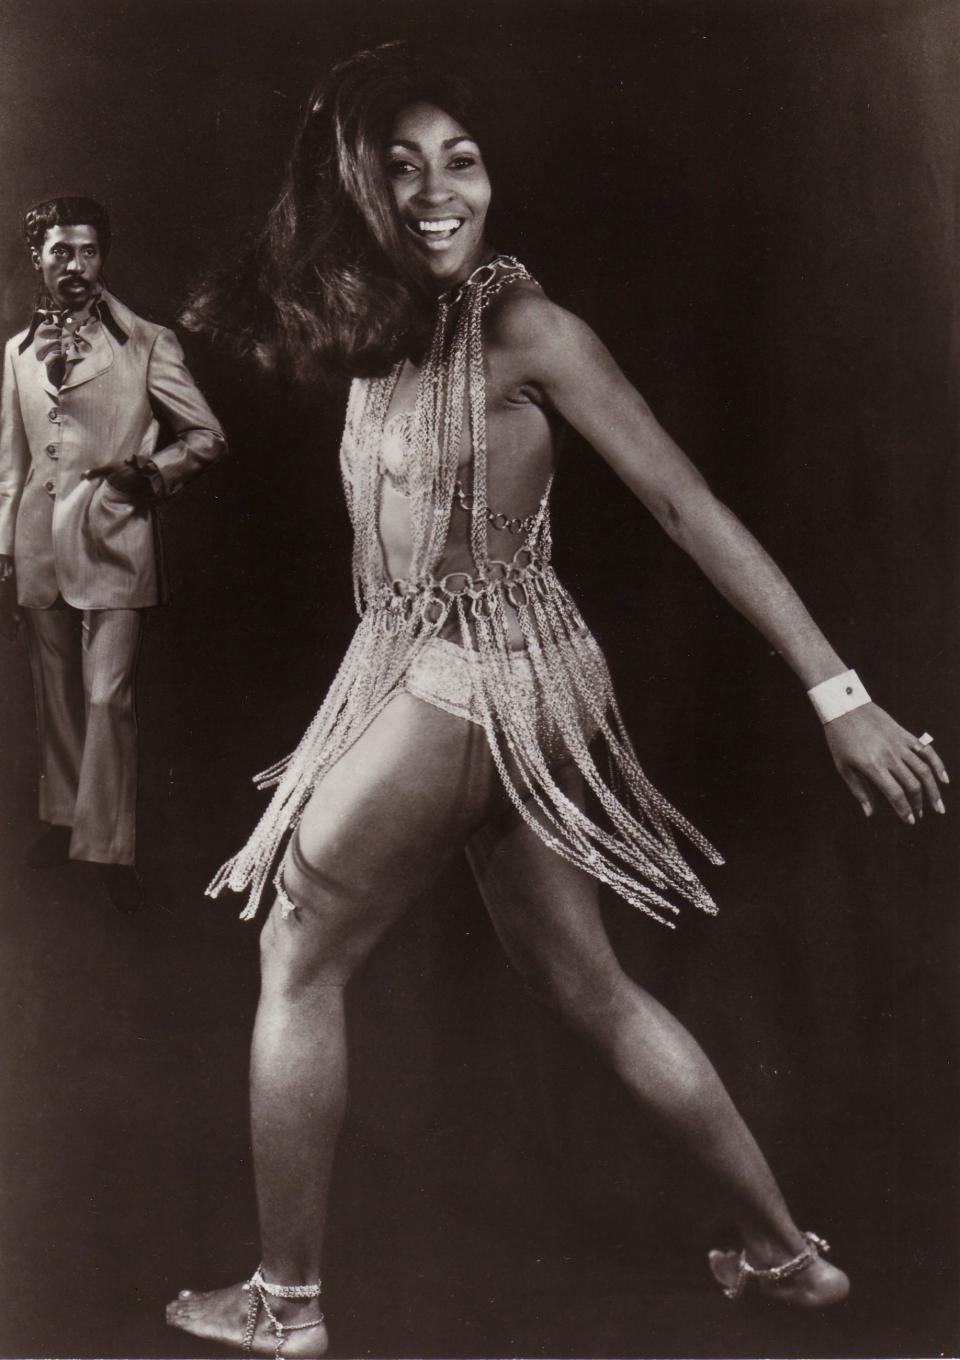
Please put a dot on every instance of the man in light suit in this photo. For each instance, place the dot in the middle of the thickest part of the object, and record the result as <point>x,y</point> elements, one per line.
<point>85,388</point>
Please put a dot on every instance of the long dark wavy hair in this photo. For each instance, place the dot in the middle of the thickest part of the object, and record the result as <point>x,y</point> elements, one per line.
<point>330,286</point>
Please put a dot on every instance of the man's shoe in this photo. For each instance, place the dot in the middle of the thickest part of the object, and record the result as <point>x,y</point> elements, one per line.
<point>51,847</point>
<point>123,886</point>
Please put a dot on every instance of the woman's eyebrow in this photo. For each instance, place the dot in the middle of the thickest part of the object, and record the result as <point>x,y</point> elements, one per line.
<point>415,146</point>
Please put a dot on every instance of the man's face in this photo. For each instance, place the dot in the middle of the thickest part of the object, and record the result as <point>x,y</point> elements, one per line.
<point>70,263</point>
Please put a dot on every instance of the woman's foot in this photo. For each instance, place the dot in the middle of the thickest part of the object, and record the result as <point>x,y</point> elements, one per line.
<point>816,1285</point>
<point>221,1315</point>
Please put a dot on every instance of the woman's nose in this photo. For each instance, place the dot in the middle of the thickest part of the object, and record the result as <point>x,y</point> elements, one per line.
<point>434,187</point>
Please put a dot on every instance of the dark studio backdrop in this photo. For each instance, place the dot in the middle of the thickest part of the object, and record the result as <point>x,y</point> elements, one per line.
<point>755,205</point>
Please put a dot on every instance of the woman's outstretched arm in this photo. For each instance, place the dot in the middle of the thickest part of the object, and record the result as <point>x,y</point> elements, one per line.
<point>580,379</point>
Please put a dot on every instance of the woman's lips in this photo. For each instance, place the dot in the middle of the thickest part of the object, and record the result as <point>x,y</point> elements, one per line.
<point>435,231</point>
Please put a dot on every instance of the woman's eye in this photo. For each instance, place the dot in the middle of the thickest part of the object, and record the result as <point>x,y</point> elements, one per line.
<point>463,162</point>
<point>397,169</point>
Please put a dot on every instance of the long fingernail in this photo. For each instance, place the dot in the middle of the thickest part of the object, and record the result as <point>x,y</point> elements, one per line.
<point>946,777</point>
<point>938,805</point>
<point>910,819</point>
<point>867,810</point>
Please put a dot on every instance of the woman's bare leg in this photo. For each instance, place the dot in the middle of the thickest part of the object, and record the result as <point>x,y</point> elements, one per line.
<point>378,830</point>
<point>547,915</point>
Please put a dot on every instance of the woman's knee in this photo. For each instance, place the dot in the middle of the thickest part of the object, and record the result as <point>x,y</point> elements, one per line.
<point>294,960</point>
<point>320,928</point>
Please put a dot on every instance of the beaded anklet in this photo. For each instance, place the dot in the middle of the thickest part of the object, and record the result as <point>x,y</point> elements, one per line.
<point>258,1289</point>
<point>815,1247</point>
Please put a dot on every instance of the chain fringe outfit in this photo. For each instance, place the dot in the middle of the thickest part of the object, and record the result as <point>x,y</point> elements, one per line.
<point>542,706</point>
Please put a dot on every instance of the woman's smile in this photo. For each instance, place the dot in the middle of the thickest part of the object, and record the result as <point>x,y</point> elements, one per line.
<point>436,233</point>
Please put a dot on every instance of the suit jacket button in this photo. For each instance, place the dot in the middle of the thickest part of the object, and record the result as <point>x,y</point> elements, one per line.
<point>53,413</point>
<point>49,486</point>
<point>52,450</point>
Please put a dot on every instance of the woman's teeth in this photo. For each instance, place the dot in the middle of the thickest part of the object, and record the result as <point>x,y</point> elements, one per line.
<point>439,229</point>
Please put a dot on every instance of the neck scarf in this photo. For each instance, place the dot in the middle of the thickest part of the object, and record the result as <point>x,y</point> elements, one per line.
<point>63,335</point>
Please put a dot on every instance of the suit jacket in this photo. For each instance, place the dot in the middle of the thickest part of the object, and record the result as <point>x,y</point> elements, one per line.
<point>80,538</point>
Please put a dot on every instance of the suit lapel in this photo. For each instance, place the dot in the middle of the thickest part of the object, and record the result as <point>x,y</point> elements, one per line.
<point>40,370</point>
<point>31,372</point>
<point>121,321</point>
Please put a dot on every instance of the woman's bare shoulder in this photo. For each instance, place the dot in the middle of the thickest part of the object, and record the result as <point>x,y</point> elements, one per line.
<point>525,321</point>
<point>540,335</point>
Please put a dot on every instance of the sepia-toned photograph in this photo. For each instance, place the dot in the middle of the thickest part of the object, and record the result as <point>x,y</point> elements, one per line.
<point>479,508</point>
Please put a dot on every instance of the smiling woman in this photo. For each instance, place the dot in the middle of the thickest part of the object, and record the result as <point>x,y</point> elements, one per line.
<point>473,710</point>
<point>441,188</point>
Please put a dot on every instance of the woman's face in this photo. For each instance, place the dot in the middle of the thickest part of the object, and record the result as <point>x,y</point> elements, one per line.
<point>441,190</point>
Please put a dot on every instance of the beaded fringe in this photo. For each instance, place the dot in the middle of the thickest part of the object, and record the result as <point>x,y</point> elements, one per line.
<point>631,846</point>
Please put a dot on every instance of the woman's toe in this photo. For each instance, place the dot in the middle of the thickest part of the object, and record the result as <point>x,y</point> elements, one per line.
<point>182,1307</point>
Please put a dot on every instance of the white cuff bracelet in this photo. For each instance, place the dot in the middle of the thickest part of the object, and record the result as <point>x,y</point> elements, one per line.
<point>840,694</point>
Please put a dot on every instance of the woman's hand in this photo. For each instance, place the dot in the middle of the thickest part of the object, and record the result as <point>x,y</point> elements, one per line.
<point>870,749</point>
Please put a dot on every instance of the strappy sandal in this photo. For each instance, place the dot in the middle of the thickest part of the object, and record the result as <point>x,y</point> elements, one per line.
<point>815,1248</point>
<point>258,1289</point>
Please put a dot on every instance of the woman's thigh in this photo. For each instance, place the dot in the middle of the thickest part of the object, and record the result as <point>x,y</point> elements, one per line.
<point>376,832</point>
<point>545,910</point>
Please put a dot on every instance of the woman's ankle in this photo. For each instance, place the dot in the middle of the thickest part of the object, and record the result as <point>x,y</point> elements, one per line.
<point>291,1290</point>
<point>766,1247</point>
<point>288,1272</point>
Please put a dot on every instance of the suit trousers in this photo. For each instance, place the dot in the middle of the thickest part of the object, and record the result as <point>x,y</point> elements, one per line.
<point>83,664</point>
